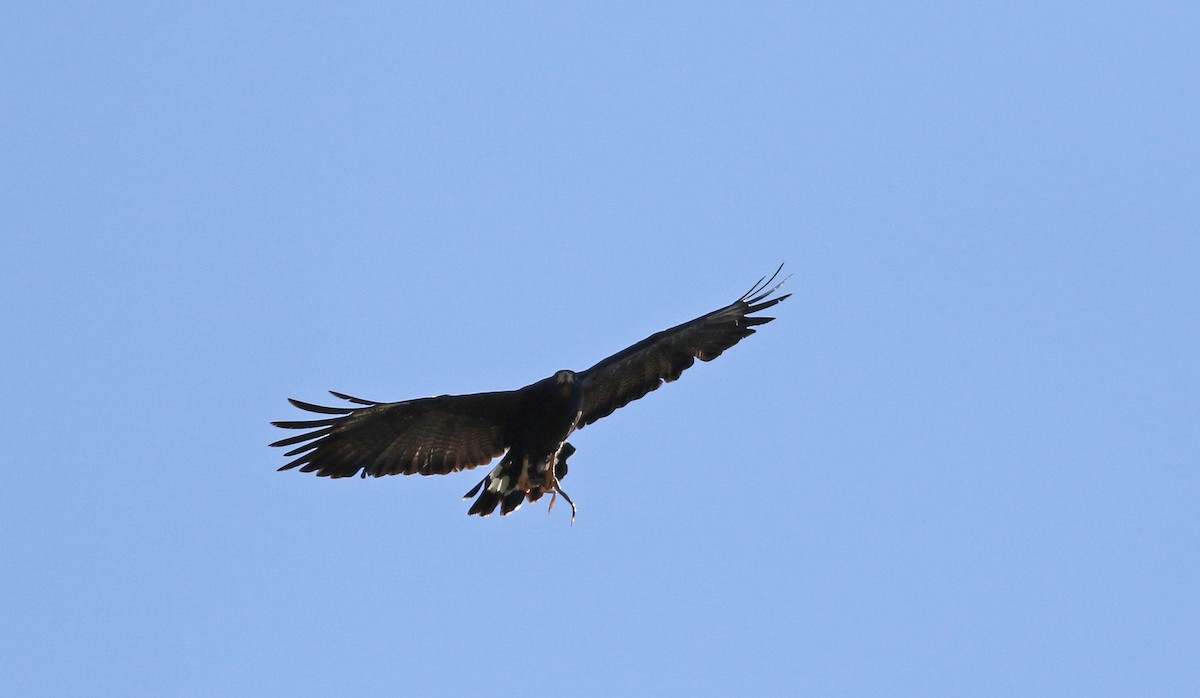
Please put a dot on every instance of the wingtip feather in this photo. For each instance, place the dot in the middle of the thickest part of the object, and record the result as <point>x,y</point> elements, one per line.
<point>351,398</point>
<point>319,409</point>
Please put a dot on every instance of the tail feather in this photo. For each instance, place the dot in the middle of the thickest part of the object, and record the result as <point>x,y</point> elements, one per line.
<point>512,482</point>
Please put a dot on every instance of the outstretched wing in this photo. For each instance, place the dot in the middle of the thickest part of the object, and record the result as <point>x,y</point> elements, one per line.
<point>662,357</point>
<point>430,436</point>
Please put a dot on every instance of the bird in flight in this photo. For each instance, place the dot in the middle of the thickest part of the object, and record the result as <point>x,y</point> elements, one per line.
<point>529,426</point>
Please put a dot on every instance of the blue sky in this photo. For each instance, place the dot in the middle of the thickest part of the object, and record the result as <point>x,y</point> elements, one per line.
<point>962,462</point>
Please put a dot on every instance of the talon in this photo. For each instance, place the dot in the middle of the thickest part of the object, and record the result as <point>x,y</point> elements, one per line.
<point>554,474</point>
<point>557,491</point>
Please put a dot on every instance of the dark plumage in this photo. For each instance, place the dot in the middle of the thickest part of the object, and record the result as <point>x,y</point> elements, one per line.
<point>530,426</point>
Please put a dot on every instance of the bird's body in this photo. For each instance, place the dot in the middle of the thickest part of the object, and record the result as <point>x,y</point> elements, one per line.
<point>529,426</point>
<point>547,415</point>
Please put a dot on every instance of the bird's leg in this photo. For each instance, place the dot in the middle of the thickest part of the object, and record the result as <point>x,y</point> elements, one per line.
<point>553,486</point>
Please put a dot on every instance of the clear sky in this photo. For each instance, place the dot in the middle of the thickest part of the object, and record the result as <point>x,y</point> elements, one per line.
<point>965,460</point>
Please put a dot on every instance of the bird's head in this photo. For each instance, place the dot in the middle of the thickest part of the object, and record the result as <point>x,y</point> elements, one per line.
<point>564,377</point>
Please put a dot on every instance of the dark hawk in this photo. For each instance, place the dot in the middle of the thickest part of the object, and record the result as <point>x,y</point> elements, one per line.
<point>529,426</point>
